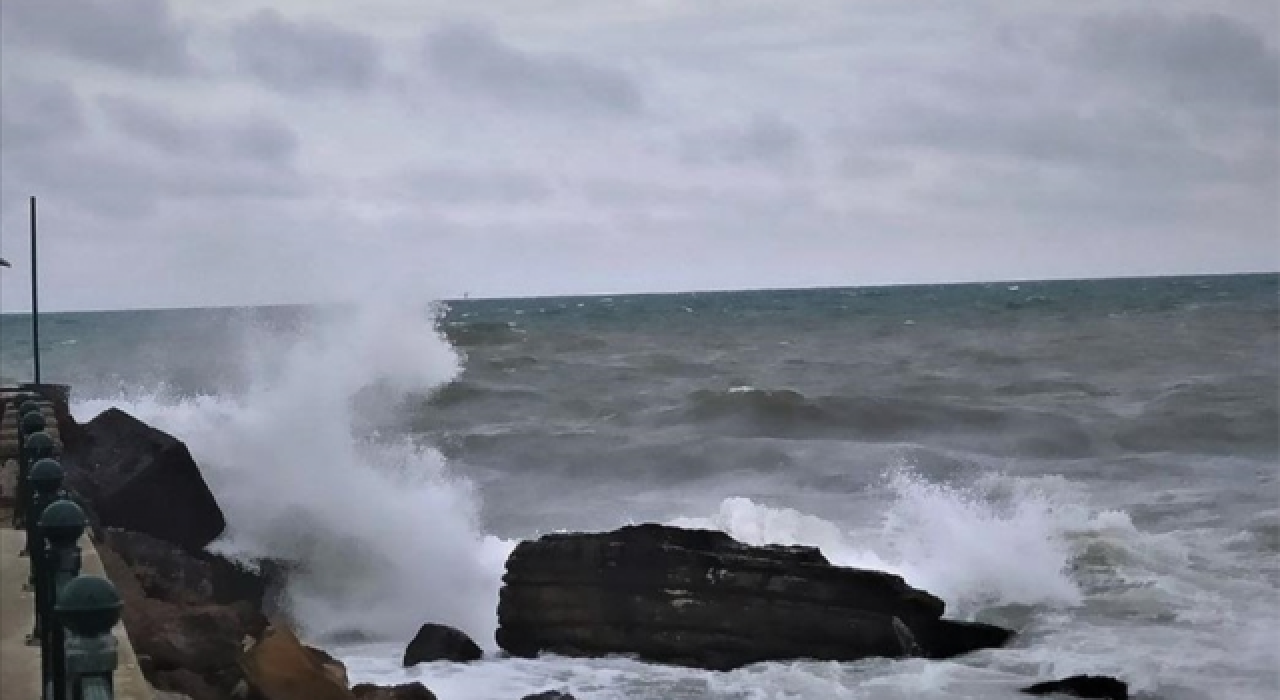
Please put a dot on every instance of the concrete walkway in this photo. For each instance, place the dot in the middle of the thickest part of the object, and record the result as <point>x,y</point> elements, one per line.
<point>19,663</point>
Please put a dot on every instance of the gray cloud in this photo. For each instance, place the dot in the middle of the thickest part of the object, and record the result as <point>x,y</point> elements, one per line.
<point>887,142</point>
<point>254,138</point>
<point>34,114</point>
<point>122,185</point>
<point>303,56</point>
<point>445,185</point>
<point>1195,58</point>
<point>762,140</point>
<point>134,35</point>
<point>477,63</point>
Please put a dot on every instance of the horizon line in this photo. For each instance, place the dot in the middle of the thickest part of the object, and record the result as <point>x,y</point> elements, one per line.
<point>727,290</point>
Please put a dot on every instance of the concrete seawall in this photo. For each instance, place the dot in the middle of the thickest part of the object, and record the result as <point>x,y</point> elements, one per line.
<point>20,663</point>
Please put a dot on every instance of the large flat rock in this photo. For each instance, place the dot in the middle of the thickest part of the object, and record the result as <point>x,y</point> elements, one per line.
<point>700,598</point>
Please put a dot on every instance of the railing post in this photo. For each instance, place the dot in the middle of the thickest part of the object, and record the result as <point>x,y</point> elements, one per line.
<point>45,481</point>
<point>62,524</point>
<point>89,607</point>
<point>26,426</point>
<point>35,447</point>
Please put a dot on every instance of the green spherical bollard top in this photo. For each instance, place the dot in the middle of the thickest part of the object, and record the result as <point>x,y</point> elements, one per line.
<point>32,423</point>
<point>39,443</point>
<point>46,475</point>
<point>89,606</point>
<point>62,523</point>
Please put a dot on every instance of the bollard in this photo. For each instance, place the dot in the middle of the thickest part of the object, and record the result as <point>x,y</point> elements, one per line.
<point>35,447</point>
<point>88,608</point>
<point>46,484</point>
<point>62,524</point>
<point>29,422</point>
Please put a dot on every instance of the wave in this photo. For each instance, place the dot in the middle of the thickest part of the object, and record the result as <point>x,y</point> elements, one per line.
<point>950,540</point>
<point>385,536</point>
<point>476,333</point>
<point>1214,416</point>
<point>784,413</point>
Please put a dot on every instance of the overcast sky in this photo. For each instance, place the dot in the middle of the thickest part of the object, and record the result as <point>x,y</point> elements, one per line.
<point>236,152</point>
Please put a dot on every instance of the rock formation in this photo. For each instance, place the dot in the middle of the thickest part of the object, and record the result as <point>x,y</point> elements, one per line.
<point>138,478</point>
<point>441,643</point>
<point>1101,687</point>
<point>700,598</point>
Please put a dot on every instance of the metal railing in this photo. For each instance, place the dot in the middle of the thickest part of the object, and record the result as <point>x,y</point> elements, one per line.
<point>74,614</point>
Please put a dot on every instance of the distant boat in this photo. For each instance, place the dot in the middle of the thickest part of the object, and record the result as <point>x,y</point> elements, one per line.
<point>4,263</point>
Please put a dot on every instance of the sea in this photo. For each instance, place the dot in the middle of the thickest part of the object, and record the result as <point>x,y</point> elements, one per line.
<point>1092,463</point>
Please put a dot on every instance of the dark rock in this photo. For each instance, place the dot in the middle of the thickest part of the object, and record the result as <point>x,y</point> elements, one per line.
<point>549,695</point>
<point>1104,687</point>
<point>700,598</point>
<point>943,639</point>
<point>140,479</point>
<point>164,570</point>
<point>406,691</point>
<point>440,643</point>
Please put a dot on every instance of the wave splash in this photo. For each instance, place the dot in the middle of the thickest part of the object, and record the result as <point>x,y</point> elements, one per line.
<point>997,542</point>
<point>383,535</point>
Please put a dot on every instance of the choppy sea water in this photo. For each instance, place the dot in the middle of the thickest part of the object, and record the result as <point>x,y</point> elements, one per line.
<point>1092,463</point>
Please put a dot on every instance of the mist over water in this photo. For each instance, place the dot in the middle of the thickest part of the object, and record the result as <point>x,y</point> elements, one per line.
<point>1096,470</point>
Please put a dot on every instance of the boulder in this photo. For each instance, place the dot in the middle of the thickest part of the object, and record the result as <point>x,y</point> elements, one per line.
<point>405,691</point>
<point>700,598</point>
<point>335,668</point>
<point>188,684</point>
<point>1104,687</point>
<point>164,570</point>
<point>279,667</point>
<point>440,643</point>
<point>141,479</point>
<point>199,638</point>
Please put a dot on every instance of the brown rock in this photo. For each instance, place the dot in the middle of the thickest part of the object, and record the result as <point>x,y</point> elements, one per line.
<point>187,683</point>
<point>200,638</point>
<point>335,668</point>
<point>406,691</point>
<point>164,570</point>
<point>279,667</point>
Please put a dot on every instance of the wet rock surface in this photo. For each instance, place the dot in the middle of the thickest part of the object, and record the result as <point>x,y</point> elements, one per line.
<point>700,598</point>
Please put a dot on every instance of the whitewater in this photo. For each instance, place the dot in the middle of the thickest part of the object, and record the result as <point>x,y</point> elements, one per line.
<point>1097,472</point>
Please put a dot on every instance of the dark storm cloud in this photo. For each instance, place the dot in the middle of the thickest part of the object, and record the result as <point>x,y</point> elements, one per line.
<point>303,56</point>
<point>762,140</point>
<point>33,114</point>
<point>1196,58</point>
<point>134,35</point>
<point>253,138</point>
<point>475,62</point>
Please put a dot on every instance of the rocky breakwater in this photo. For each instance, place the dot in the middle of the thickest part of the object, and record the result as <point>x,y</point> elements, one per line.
<point>187,612</point>
<point>700,598</point>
